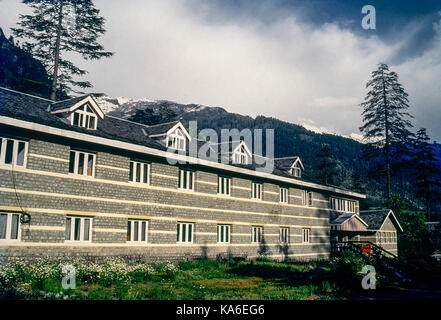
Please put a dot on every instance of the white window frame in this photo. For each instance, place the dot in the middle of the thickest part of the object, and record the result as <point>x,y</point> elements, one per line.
<point>84,117</point>
<point>142,166</point>
<point>225,184</point>
<point>304,198</point>
<point>296,171</point>
<point>176,140</point>
<point>9,226</point>
<point>72,228</point>
<point>188,173</point>
<point>256,190</point>
<point>132,231</point>
<point>284,235</point>
<point>85,166</point>
<point>306,235</point>
<point>283,195</point>
<point>256,234</point>
<point>226,235</point>
<point>180,227</point>
<point>14,152</point>
<point>240,156</point>
<point>342,205</point>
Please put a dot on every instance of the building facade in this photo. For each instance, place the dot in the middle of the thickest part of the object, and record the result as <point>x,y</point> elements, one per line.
<point>77,183</point>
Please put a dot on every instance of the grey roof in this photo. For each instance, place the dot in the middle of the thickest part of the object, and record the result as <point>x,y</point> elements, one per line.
<point>285,163</point>
<point>342,218</point>
<point>374,218</point>
<point>161,128</point>
<point>34,109</point>
<point>66,103</point>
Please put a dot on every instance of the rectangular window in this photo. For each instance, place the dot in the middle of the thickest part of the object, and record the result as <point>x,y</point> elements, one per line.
<point>13,152</point>
<point>306,235</point>
<point>137,230</point>
<point>342,205</point>
<point>283,195</point>
<point>184,232</point>
<point>310,199</point>
<point>256,191</point>
<point>256,234</point>
<point>82,163</point>
<point>304,197</point>
<point>139,172</point>
<point>186,179</point>
<point>10,226</point>
<point>84,117</point>
<point>78,229</point>
<point>223,233</point>
<point>284,235</point>
<point>224,186</point>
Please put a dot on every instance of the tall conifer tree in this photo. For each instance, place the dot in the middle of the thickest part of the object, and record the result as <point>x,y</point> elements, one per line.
<point>386,124</point>
<point>57,27</point>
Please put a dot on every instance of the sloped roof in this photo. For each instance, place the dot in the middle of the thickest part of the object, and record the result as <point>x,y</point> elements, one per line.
<point>285,163</point>
<point>376,218</point>
<point>342,218</point>
<point>161,128</point>
<point>60,105</point>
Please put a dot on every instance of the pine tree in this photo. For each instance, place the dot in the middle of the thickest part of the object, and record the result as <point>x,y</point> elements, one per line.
<point>327,166</point>
<point>428,171</point>
<point>146,116</point>
<point>62,26</point>
<point>386,121</point>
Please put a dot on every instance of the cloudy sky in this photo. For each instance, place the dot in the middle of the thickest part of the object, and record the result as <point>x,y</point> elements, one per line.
<point>301,61</point>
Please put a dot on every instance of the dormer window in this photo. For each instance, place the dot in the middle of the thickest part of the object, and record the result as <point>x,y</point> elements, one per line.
<point>84,117</point>
<point>240,156</point>
<point>176,140</point>
<point>296,171</point>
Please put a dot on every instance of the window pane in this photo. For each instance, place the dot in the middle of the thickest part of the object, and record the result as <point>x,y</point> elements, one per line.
<point>77,223</point>
<point>71,162</point>
<point>190,227</point>
<point>68,226</point>
<point>90,165</point>
<point>131,171</point>
<point>14,227</point>
<point>143,230</point>
<point>129,230</point>
<point>135,230</point>
<point>227,233</point>
<point>92,123</point>
<point>138,172</point>
<point>76,119</point>
<point>86,229</point>
<point>20,153</point>
<point>178,229</point>
<point>184,227</point>
<point>80,163</point>
<point>3,220</point>
<point>146,172</point>
<point>9,150</point>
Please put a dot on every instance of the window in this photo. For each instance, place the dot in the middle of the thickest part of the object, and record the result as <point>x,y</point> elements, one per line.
<point>176,140</point>
<point>310,199</point>
<point>78,228</point>
<point>306,235</point>
<point>240,156</point>
<point>283,195</point>
<point>256,191</point>
<point>284,235</point>
<point>10,226</point>
<point>137,230</point>
<point>13,152</point>
<point>256,234</point>
<point>184,232</point>
<point>139,172</point>
<point>224,186</point>
<point>304,197</point>
<point>342,205</point>
<point>223,233</point>
<point>82,163</point>
<point>186,179</point>
<point>296,171</point>
<point>84,117</point>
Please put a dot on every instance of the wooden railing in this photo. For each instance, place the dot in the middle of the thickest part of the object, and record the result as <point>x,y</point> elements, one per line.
<point>360,247</point>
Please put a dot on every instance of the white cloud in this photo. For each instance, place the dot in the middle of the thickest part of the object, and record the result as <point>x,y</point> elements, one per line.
<point>288,69</point>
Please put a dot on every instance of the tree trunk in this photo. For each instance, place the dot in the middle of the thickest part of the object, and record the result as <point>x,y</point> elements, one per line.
<point>387,146</point>
<point>57,53</point>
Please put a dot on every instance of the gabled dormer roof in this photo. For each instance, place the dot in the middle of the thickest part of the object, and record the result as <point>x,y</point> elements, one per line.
<point>164,129</point>
<point>376,218</point>
<point>70,105</point>
<point>345,217</point>
<point>287,163</point>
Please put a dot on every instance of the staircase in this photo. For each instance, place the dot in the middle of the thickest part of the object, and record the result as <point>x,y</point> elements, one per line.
<point>361,247</point>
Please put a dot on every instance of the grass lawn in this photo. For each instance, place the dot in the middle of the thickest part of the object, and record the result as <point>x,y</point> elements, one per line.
<point>201,280</point>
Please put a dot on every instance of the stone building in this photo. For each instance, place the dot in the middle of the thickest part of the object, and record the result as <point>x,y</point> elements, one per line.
<point>76,182</point>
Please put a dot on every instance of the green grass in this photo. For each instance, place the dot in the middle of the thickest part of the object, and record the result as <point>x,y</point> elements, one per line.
<point>201,280</point>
